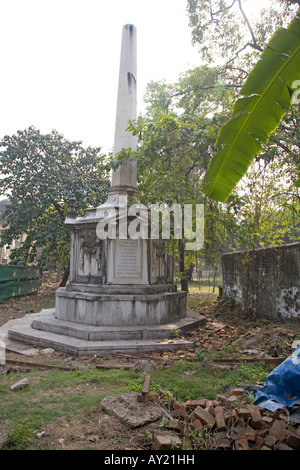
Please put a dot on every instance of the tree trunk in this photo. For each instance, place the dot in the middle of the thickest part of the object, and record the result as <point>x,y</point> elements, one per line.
<point>184,281</point>
<point>65,277</point>
<point>59,271</point>
<point>215,275</point>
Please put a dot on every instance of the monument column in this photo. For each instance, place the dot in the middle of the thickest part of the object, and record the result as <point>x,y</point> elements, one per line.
<point>124,178</point>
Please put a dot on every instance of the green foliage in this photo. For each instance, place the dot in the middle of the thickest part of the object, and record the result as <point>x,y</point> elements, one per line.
<point>265,97</point>
<point>26,417</point>
<point>222,30</point>
<point>22,434</point>
<point>40,175</point>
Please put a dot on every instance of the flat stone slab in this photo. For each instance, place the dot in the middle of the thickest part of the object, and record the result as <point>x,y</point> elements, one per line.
<point>16,346</point>
<point>83,340</point>
<point>79,347</point>
<point>48,322</point>
<point>127,408</point>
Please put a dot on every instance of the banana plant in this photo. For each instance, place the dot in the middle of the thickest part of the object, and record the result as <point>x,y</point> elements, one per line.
<point>264,99</point>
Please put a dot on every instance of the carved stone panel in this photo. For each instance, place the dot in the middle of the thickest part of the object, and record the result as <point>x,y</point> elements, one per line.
<point>89,259</point>
<point>160,262</point>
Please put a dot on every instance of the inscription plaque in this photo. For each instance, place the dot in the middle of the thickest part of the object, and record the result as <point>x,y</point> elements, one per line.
<point>128,258</point>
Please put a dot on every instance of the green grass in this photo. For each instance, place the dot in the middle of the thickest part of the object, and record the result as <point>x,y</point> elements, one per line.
<point>204,382</point>
<point>55,393</point>
<point>206,285</point>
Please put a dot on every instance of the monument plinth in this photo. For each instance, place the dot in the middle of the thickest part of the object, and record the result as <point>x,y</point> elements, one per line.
<point>120,295</point>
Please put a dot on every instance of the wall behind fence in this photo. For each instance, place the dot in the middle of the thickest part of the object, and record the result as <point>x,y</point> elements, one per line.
<point>19,280</point>
<point>264,282</point>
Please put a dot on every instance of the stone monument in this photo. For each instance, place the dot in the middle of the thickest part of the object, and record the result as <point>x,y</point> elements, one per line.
<point>120,295</point>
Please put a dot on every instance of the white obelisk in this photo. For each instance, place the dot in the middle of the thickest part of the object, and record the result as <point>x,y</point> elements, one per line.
<point>124,178</point>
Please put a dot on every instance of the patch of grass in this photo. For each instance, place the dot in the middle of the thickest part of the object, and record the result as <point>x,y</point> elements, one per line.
<point>205,382</point>
<point>22,435</point>
<point>53,394</point>
<point>206,285</point>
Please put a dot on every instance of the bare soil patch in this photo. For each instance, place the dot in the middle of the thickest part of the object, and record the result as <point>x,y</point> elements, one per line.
<point>227,336</point>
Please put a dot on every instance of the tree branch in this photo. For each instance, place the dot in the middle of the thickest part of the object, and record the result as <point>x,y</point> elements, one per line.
<point>220,11</point>
<point>254,44</point>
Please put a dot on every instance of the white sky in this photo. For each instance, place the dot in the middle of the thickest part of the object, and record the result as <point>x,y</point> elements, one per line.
<point>60,61</point>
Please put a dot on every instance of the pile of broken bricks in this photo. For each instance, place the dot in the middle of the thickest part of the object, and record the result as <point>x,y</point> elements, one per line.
<point>231,422</point>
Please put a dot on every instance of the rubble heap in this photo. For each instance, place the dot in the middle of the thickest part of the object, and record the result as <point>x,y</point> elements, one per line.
<point>231,422</point>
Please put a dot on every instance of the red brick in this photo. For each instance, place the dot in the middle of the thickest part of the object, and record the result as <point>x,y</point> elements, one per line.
<point>256,418</point>
<point>151,396</point>
<point>223,442</point>
<point>244,413</point>
<point>174,404</point>
<point>277,428</point>
<point>247,433</point>
<point>270,441</point>
<point>166,441</point>
<point>198,426</point>
<point>241,444</point>
<point>179,412</point>
<point>267,420</point>
<point>293,440</point>
<point>216,403</point>
<point>231,417</point>
<point>260,442</point>
<point>194,403</point>
<point>283,446</point>
<point>236,391</point>
<point>210,409</point>
<point>204,416</point>
<point>175,424</point>
<point>232,398</point>
<point>220,418</point>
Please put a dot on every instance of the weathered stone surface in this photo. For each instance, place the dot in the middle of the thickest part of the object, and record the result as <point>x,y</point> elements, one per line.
<point>241,444</point>
<point>22,383</point>
<point>220,418</point>
<point>194,403</point>
<point>127,408</point>
<point>243,412</point>
<point>167,441</point>
<point>48,351</point>
<point>179,412</point>
<point>256,418</point>
<point>270,441</point>
<point>144,365</point>
<point>277,428</point>
<point>293,440</point>
<point>272,271</point>
<point>204,416</point>
<point>247,433</point>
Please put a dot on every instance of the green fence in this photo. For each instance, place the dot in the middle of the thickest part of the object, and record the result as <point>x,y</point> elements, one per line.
<point>19,280</point>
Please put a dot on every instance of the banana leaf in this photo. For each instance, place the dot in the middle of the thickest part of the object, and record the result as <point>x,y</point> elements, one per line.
<point>264,99</point>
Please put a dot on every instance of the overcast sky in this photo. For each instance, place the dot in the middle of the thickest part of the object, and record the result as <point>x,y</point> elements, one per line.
<point>60,61</point>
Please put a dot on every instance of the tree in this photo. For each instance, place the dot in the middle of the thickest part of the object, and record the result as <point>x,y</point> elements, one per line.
<point>227,35</point>
<point>270,210</point>
<point>173,154</point>
<point>40,174</point>
<point>264,99</point>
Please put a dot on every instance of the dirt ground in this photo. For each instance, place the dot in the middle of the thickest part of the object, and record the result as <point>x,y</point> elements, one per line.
<point>228,334</point>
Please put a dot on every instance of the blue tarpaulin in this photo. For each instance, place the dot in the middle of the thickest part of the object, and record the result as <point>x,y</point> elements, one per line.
<point>282,386</point>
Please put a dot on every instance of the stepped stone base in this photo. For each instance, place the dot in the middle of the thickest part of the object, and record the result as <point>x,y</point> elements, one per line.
<point>78,339</point>
<point>114,306</point>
